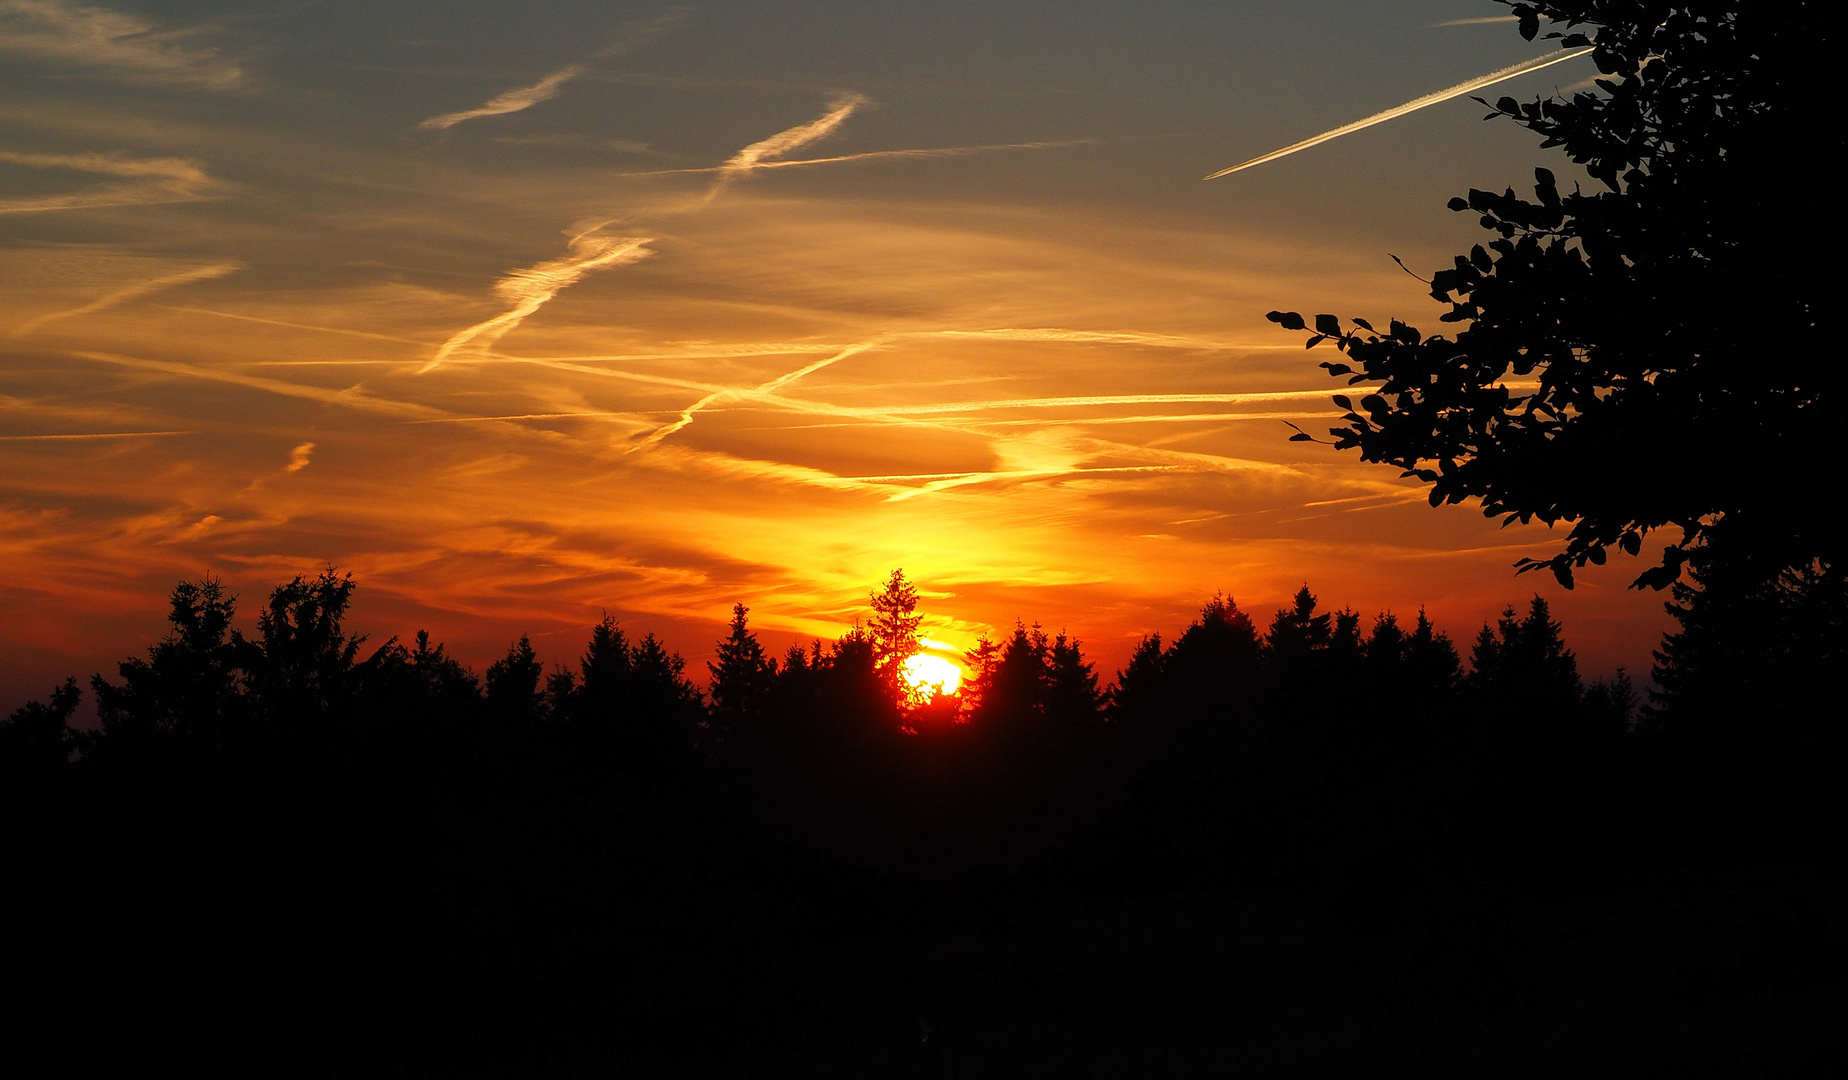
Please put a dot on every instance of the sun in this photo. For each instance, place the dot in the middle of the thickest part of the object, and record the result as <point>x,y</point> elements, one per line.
<point>926,675</point>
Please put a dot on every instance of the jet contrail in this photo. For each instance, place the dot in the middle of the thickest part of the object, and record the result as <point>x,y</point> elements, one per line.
<point>929,152</point>
<point>1480,20</point>
<point>133,292</point>
<point>1411,106</point>
<point>91,435</point>
<point>633,36</point>
<point>767,391</point>
<point>528,290</point>
<point>151,180</point>
<point>523,97</point>
<point>757,155</point>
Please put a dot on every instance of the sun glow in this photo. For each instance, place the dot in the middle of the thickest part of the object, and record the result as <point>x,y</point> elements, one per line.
<point>927,675</point>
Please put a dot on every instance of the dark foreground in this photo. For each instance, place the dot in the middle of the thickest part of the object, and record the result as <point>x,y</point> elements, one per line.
<point>1298,852</point>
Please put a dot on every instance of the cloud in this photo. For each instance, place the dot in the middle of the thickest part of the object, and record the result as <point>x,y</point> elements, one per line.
<point>1414,105</point>
<point>353,397</point>
<point>869,155</point>
<point>134,292</point>
<point>631,37</point>
<point>764,151</point>
<point>767,391</point>
<point>591,249</point>
<point>524,97</point>
<point>148,181</point>
<point>1091,400</point>
<point>90,435</point>
<point>298,458</point>
<point>641,32</point>
<point>114,43</point>
<point>1480,20</point>
<point>528,290</point>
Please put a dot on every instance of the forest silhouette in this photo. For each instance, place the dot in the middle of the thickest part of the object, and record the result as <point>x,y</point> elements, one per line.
<point>1319,840</point>
<point>1339,826</point>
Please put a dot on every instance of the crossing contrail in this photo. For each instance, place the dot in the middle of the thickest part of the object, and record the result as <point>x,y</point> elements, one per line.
<point>528,290</point>
<point>1414,105</point>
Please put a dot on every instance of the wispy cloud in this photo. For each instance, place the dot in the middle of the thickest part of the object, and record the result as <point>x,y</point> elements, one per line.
<point>352,397</point>
<point>1480,20</point>
<point>515,100</point>
<point>1088,400</point>
<point>640,32</point>
<point>592,249</point>
<point>764,152</point>
<point>134,292</point>
<point>85,436</point>
<point>872,155</point>
<point>767,391</point>
<point>529,289</point>
<point>113,43</point>
<point>299,458</point>
<point>631,37</point>
<point>147,181</point>
<point>1412,106</point>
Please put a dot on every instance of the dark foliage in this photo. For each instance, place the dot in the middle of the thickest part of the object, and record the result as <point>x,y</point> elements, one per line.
<point>1638,356</point>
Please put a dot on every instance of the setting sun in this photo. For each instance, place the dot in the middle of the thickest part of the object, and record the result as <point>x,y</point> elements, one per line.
<point>926,675</point>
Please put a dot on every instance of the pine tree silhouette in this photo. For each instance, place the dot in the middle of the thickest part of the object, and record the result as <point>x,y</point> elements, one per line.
<point>742,675</point>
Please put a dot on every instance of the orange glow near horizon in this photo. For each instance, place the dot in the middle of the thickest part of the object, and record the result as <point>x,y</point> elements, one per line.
<point>928,675</point>
<point>529,365</point>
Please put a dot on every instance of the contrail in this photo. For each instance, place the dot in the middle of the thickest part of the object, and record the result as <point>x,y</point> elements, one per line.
<point>758,154</point>
<point>152,180</point>
<point>633,36</point>
<point>640,32</point>
<point>529,289</point>
<point>1411,106</point>
<point>133,292</point>
<point>524,97</point>
<point>930,152</point>
<point>949,407</point>
<point>353,397</point>
<point>90,435</point>
<point>118,44</point>
<point>767,390</point>
<point>761,390</point>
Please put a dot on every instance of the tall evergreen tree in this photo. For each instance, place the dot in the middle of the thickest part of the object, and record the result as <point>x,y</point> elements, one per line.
<point>742,675</point>
<point>1072,697</point>
<point>513,690</point>
<point>893,631</point>
<point>1213,670</point>
<point>1136,698</point>
<point>1522,668</point>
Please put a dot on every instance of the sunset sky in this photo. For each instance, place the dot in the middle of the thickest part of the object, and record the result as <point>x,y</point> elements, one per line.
<point>523,313</point>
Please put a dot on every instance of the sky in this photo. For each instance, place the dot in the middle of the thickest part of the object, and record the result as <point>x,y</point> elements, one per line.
<point>523,314</point>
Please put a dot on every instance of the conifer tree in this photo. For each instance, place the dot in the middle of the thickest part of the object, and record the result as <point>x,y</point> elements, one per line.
<point>513,684</point>
<point>742,675</point>
<point>893,631</point>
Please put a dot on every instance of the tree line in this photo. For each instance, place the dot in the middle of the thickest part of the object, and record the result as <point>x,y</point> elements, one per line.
<point>208,688</point>
<point>607,859</point>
